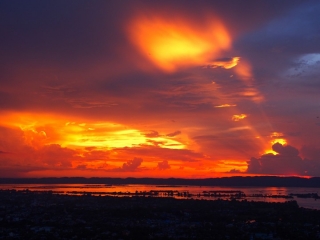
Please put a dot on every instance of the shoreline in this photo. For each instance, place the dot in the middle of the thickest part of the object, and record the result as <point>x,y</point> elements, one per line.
<point>236,181</point>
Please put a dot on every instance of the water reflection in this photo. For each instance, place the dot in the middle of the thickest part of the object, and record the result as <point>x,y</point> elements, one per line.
<point>305,197</point>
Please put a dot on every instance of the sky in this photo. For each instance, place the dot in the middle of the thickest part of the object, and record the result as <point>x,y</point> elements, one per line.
<point>159,88</point>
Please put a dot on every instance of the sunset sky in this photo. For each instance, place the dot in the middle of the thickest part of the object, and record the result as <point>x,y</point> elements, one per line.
<point>191,89</point>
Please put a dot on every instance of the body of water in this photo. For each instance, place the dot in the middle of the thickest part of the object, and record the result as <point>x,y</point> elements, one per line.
<point>305,197</point>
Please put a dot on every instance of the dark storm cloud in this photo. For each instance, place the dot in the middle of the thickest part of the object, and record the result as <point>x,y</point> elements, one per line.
<point>56,43</point>
<point>311,152</point>
<point>285,150</point>
<point>286,162</point>
<point>73,34</point>
<point>297,32</point>
<point>59,31</point>
<point>237,14</point>
<point>274,46</point>
<point>283,53</point>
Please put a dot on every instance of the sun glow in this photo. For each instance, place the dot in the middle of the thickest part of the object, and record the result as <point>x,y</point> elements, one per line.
<point>175,42</point>
<point>276,137</point>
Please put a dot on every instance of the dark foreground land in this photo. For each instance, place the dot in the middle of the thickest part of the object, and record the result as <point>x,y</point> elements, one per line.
<point>29,215</point>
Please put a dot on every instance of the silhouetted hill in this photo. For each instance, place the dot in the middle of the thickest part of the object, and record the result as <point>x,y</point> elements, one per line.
<point>262,181</point>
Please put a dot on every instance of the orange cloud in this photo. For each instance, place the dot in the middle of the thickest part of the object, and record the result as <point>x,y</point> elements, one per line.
<point>224,63</point>
<point>238,117</point>
<point>244,70</point>
<point>163,165</point>
<point>129,166</point>
<point>175,42</point>
<point>275,137</point>
<point>42,143</point>
<point>42,129</point>
<point>225,105</point>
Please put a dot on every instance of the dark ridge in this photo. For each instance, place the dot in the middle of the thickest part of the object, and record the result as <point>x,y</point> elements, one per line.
<point>261,181</point>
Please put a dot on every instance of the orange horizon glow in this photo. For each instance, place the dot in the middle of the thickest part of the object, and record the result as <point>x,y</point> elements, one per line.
<point>102,146</point>
<point>45,129</point>
<point>95,148</point>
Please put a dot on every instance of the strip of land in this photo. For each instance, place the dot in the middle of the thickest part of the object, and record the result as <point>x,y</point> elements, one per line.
<point>261,181</point>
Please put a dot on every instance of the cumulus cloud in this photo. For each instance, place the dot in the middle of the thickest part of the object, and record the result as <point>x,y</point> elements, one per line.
<point>29,156</point>
<point>286,162</point>
<point>55,155</point>
<point>132,165</point>
<point>311,152</point>
<point>163,165</point>
<point>285,150</point>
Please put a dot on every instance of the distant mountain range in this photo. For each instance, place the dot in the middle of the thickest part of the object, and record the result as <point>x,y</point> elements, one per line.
<point>261,181</point>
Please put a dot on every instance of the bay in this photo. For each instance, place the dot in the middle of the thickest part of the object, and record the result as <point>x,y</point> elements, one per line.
<point>304,196</point>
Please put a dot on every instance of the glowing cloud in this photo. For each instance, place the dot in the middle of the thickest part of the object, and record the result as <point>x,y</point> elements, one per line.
<point>239,117</point>
<point>225,105</point>
<point>40,130</point>
<point>276,137</point>
<point>175,42</point>
<point>226,63</point>
<point>244,70</point>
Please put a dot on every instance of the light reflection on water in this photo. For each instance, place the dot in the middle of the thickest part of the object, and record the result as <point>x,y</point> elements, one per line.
<point>131,190</point>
